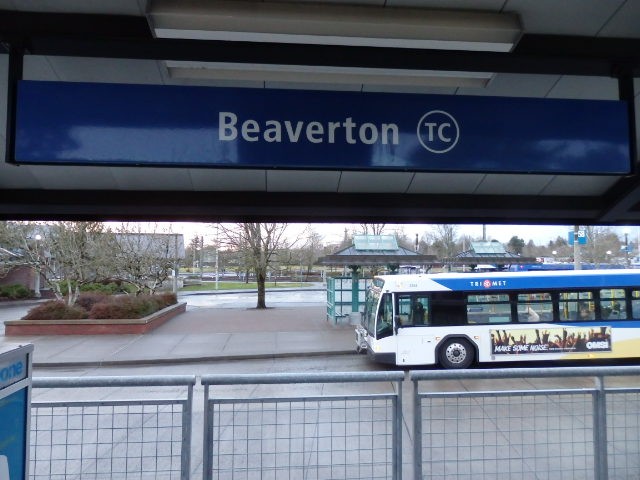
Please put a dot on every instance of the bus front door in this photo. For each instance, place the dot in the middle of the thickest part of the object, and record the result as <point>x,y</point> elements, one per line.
<point>415,346</point>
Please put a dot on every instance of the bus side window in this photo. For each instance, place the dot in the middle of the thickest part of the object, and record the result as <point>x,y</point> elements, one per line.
<point>448,308</point>
<point>576,306</point>
<point>384,320</point>
<point>420,311</point>
<point>613,304</point>
<point>493,308</point>
<point>635,304</point>
<point>412,310</point>
<point>403,310</point>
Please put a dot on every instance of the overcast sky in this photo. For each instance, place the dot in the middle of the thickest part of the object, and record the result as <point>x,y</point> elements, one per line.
<point>333,233</point>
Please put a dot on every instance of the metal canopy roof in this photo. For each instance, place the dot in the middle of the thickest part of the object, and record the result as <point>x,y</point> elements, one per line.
<point>353,255</point>
<point>488,253</point>
<point>585,49</point>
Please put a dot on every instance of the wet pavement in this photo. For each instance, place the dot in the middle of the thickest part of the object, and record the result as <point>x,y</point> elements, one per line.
<point>216,326</point>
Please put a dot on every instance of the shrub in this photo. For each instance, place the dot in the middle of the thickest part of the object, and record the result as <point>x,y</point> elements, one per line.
<point>15,291</point>
<point>131,307</point>
<point>104,288</point>
<point>100,306</point>
<point>87,300</point>
<point>55,310</point>
<point>167,299</point>
<point>109,310</point>
<point>64,286</point>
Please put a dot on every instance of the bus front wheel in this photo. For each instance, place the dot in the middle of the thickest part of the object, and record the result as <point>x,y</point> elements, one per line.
<point>456,353</point>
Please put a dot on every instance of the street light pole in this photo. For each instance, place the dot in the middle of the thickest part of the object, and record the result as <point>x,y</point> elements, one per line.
<point>201,257</point>
<point>577,260</point>
<point>217,267</point>
<point>217,249</point>
<point>626,248</point>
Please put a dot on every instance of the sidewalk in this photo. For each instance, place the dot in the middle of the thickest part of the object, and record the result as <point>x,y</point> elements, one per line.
<point>202,335</point>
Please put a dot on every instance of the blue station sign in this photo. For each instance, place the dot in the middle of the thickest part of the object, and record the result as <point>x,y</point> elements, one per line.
<point>159,125</point>
<point>15,385</point>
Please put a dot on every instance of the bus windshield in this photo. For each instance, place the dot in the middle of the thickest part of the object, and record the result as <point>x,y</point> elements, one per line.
<point>370,309</point>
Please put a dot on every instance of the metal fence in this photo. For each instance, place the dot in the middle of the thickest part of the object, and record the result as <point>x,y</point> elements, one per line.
<point>108,439</point>
<point>588,431</point>
<point>480,424</point>
<point>315,436</point>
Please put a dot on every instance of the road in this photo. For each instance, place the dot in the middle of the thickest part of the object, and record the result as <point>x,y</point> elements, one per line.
<point>274,298</point>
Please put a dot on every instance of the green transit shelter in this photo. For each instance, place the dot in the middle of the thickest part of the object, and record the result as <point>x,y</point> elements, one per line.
<point>487,255</point>
<point>345,294</point>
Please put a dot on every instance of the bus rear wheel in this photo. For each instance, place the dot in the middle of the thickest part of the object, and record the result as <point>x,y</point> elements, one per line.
<point>456,353</point>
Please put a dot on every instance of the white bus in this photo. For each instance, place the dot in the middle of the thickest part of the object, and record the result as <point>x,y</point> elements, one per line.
<point>458,319</point>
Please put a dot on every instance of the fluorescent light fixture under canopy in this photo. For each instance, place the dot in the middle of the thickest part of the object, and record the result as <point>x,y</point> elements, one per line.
<point>324,74</point>
<point>332,24</point>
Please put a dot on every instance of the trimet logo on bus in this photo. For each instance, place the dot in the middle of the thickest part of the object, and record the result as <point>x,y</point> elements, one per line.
<point>488,283</point>
<point>438,131</point>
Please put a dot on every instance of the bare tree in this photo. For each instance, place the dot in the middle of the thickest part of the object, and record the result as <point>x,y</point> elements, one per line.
<point>372,228</point>
<point>9,245</point>
<point>444,240</point>
<point>146,257</point>
<point>311,250</point>
<point>260,241</point>
<point>600,240</point>
<point>192,252</point>
<point>403,239</point>
<point>347,239</point>
<point>67,254</point>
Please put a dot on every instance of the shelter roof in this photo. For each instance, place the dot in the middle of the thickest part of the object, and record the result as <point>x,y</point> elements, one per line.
<point>487,253</point>
<point>374,250</point>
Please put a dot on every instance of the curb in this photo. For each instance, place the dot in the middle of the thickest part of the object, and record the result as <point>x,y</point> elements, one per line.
<point>19,303</point>
<point>229,292</point>
<point>173,361</point>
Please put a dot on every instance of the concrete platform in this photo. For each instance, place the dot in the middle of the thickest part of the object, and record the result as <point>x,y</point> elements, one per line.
<point>202,334</point>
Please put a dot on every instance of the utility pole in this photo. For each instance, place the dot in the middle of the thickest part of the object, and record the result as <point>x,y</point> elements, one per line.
<point>577,261</point>
<point>201,256</point>
<point>626,248</point>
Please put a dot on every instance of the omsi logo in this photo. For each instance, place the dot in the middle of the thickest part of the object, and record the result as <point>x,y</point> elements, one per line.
<point>438,131</point>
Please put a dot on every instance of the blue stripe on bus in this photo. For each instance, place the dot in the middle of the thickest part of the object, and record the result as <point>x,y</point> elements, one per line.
<point>538,282</point>
<point>602,323</point>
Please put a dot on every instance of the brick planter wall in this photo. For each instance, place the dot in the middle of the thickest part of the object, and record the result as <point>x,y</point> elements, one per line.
<point>93,327</point>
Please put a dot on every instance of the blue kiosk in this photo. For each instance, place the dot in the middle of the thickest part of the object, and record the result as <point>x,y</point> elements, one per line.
<point>15,401</point>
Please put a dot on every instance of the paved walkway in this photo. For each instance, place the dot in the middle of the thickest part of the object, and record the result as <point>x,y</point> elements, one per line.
<point>199,335</point>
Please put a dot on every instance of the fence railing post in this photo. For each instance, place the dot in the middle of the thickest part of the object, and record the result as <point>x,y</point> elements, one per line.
<point>397,433</point>
<point>187,409</point>
<point>207,444</point>
<point>417,432</point>
<point>601,465</point>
